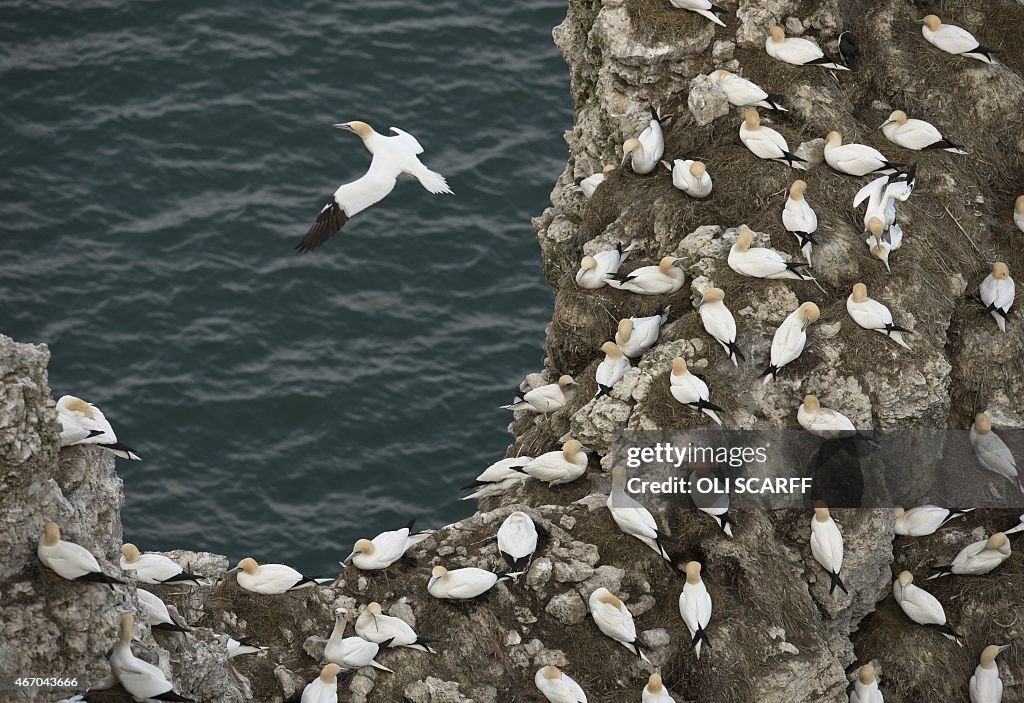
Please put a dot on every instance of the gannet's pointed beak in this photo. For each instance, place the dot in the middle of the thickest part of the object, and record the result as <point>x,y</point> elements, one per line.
<point>231,571</point>
<point>920,21</point>
<point>342,125</point>
<point>376,624</point>
<point>433,579</point>
<point>1003,648</point>
<point>884,124</point>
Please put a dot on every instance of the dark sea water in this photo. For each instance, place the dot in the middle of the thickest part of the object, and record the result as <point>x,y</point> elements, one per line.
<point>159,162</point>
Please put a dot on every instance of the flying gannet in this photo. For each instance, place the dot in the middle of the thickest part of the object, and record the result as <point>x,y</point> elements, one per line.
<point>954,40</point>
<point>644,152</point>
<point>635,335</point>
<point>373,626</point>
<point>704,8</point>
<point>824,422</point>
<point>695,607</point>
<point>155,612</point>
<point>924,519</point>
<point>986,686</point>
<point>922,607</point>
<point>766,143</point>
<point>613,367</point>
<point>323,689</point>
<point>545,399</point>
<point>997,292</point>
<point>154,568</point>
<point>271,579</point>
<point>799,219</point>
<point>352,652</point>
<point>384,549</point>
<point>654,691</point>
<point>719,322</point>
<point>790,338</point>
<point>84,423</point>
<point>517,541</point>
<point>614,620</point>
<point>978,558</point>
<point>691,177</point>
<point>560,466</point>
<point>758,262</point>
<point>140,679</point>
<point>992,453</point>
<point>589,184</point>
<point>691,390</point>
<point>667,277</point>
<point>916,135</point>
<point>594,269</point>
<point>460,584</point>
<point>632,517</point>
<point>855,159</point>
<point>872,315</point>
<point>827,546</point>
<point>743,93</point>
<point>68,560</point>
<point>558,687</point>
<point>797,51</point>
<point>865,687</point>
<point>393,155</point>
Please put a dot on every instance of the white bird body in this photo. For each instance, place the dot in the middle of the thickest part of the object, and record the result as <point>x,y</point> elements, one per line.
<point>719,322</point>
<point>385,549</point>
<point>318,691</point>
<point>704,8</point>
<point>827,546</point>
<point>155,612</point>
<point>68,560</point>
<point>865,687</point>
<point>710,500</point>
<point>504,469</point>
<point>614,620</point>
<point>695,607</point>
<point>139,678</point>
<point>872,315</point>
<point>743,93</point>
<point>985,685</point>
<point>691,177</point>
<point>351,652</point>
<point>691,390</point>
<point>545,399</point>
<point>921,606</point>
<point>589,184</point>
<point>238,648</point>
<point>824,422</point>
<point>916,135</point>
<point>654,692</point>
<point>495,488</point>
<point>663,279</point>
<point>613,367</point>
<point>632,517</point>
<point>393,156</point>
<point>153,568</point>
<point>854,159</point>
<point>997,292</point>
<point>461,584</point>
<point>765,143</point>
<point>640,334</point>
<point>517,541</point>
<point>992,452</point>
<point>594,269</point>
<point>83,423</point>
<point>879,205</point>
<point>954,40</point>
<point>978,558</point>
<point>374,626</point>
<point>758,262</point>
<point>271,579</point>
<point>925,520</point>
<point>790,339</point>
<point>1019,527</point>
<point>799,218</point>
<point>558,687</point>
<point>797,51</point>
<point>558,467</point>
<point>646,151</point>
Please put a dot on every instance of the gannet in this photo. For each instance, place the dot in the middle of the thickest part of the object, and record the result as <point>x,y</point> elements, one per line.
<point>352,652</point>
<point>1019,527</point>
<point>242,646</point>
<point>695,606</point>
<point>517,541</point>
<point>790,338</point>
<point>997,292</point>
<point>614,620</point>
<point>758,262</point>
<point>633,518</point>
<point>922,607</point>
<point>827,546</point>
<point>823,422</point>
<point>635,335</point>
<point>384,549</point>
<point>323,689</point>
<point>855,159</point>
<point>714,502</point>
<point>589,184</point>
<point>924,519</point>
<point>68,560</point>
<point>765,142</point>
<point>917,135</point>
<point>797,51</point>
<point>662,279</point>
<point>954,40</point>
<point>545,399</point>
<point>558,687</point>
<point>743,93</point>
<point>691,177</point>
<point>595,269</point>
<point>84,423</point>
<point>992,453</point>
<point>799,219</point>
<point>154,612</point>
<point>498,477</point>
<point>460,584</point>
<point>271,579</point>
<point>865,688</point>
<point>977,558</point>
<point>691,390</point>
<point>872,315</point>
<point>986,686</point>
<point>393,155</point>
<point>883,242</point>
<point>654,691</point>
<point>882,194</point>
<point>612,368</point>
<point>704,8</point>
<point>646,151</point>
<point>558,467</point>
<point>140,679</point>
<point>373,626</point>
<point>154,568</point>
<point>719,323</point>
<point>1018,212</point>
<point>849,50</point>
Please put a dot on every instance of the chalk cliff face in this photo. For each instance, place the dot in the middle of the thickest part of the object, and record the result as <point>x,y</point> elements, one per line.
<point>776,634</point>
